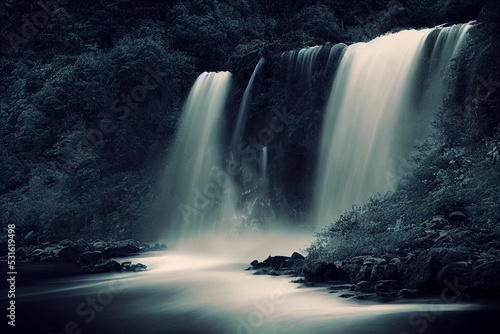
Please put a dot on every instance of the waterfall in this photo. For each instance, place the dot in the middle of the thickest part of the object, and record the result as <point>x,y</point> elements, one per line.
<point>242,112</point>
<point>304,63</point>
<point>264,162</point>
<point>304,60</point>
<point>374,114</point>
<point>200,193</point>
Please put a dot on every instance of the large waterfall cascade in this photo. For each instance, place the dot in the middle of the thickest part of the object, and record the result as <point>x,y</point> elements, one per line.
<point>374,113</point>
<point>383,96</point>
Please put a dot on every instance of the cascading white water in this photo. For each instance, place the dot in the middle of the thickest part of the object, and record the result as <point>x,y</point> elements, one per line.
<point>306,59</point>
<point>372,110</point>
<point>264,162</point>
<point>303,62</point>
<point>243,110</point>
<point>200,193</point>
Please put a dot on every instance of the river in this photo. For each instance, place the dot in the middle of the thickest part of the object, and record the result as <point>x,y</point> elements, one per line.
<point>196,291</point>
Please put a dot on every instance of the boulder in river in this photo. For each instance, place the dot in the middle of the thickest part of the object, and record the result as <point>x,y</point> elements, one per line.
<point>454,271</point>
<point>69,254</point>
<point>322,272</point>
<point>279,265</point>
<point>128,266</point>
<point>364,286</point>
<point>108,266</point>
<point>122,248</point>
<point>90,257</point>
<point>408,293</point>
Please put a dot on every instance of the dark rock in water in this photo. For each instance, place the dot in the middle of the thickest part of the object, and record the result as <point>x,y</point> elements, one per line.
<point>351,270</point>
<point>408,293</point>
<point>297,256</point>
<point>278,262</point>
<point>69,254</point>
<point>122,248</point>
<point>365,272</point>
<point>282,265</point>
<point>362,268</point>
<point>378,272</point>
<point>322,272</point>
<point>90,257</point>
<point>300,280</point>
<point>484,279</point>
<point>422,271</point>
<point>106,267</point>
<point>139,267</point>
<point>386,285</point>
<point>30,238</point>
<point>364,286</point>
<point>457,217</point>
<point>393,270</point>
<point>453,272</point>
<point>128,266</point>
<point>287,272</point>
<point>347,295</point>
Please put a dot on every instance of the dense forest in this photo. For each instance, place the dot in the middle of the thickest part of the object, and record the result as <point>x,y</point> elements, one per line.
<point>91,94</point>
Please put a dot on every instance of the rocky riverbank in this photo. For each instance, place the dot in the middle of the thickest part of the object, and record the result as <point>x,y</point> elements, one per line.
<point>91,257</point>
<point>445,271</point>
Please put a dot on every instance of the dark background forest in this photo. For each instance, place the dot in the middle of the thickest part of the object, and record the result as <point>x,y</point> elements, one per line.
<point>76,163</point>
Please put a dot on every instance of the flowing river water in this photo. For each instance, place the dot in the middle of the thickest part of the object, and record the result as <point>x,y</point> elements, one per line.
<point>200,291</point>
